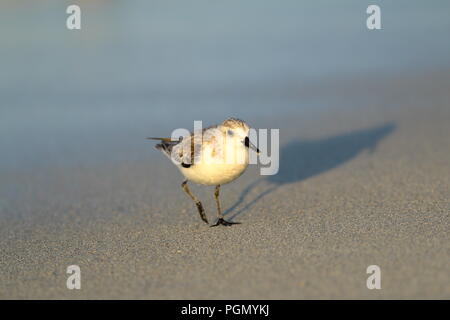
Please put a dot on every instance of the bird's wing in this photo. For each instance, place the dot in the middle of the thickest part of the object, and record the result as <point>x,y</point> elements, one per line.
<point>188,149</point>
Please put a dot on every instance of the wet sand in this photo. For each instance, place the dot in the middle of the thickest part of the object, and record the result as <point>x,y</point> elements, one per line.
<point>361,184</point>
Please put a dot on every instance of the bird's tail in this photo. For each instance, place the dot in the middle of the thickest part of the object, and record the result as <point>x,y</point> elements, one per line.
<point>162,139</point>
<point>166,144</point>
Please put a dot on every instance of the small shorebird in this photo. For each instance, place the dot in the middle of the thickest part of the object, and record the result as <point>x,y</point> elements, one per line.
<point>213,156</point>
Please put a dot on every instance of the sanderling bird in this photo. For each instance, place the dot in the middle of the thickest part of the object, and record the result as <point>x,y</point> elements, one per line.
<point>213,156</point>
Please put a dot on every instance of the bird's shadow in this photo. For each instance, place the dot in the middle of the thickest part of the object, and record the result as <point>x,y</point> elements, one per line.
<point>300,160</point>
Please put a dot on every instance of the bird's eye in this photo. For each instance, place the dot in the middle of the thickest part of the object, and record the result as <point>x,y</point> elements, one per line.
<point>230,132</point>
<point>247,142</point>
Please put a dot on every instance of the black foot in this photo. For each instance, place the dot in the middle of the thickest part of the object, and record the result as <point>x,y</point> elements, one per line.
<point>223,222</point>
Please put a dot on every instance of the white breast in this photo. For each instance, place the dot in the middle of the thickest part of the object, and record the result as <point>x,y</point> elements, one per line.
<point>218,165</point>
<point>213,174</point>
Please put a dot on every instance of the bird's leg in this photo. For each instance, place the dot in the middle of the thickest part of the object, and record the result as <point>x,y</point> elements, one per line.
<point>199,205</point>
<point>216,197</point>
<point>220,219</point>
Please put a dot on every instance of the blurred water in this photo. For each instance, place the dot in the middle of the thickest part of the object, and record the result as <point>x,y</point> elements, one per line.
<point>141,68</point>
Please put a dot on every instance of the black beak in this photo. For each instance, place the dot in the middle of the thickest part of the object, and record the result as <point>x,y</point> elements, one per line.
<point>250,145</point>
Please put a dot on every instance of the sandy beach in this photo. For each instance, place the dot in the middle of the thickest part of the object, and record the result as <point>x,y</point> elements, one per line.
<point>363,183</point>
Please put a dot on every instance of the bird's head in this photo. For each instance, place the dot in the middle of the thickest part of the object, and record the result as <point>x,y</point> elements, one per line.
<point>238,130</point>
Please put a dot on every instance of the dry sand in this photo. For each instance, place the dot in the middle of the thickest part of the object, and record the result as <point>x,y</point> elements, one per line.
<point>361,184</point>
